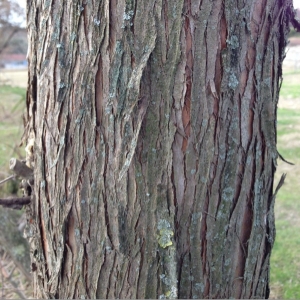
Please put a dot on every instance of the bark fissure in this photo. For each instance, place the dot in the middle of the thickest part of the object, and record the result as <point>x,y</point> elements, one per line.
<point>155,146</point>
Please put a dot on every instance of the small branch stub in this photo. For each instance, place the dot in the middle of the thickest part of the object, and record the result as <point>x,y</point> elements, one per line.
<point>7,179</point>
<point>15,202</point>
<point>20,169</point>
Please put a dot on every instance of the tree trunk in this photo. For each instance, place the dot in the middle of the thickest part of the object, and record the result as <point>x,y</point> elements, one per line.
<point>154,128</point>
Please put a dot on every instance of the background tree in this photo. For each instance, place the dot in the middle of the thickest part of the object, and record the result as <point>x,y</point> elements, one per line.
<point>14,250</point>
<point>11,20</point>
<point>152,133</point>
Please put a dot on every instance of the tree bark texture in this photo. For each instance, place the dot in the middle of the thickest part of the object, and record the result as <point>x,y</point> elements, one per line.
<point>154,129</point>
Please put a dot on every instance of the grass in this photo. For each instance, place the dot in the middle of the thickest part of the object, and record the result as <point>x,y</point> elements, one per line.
<point>287,122</point>
<point>285,258</point>
<point>12,107</point>
<point>290,86</point>
<point>285,261</point>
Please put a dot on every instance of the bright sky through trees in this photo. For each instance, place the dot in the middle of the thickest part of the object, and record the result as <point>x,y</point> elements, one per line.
<point>296,3</point>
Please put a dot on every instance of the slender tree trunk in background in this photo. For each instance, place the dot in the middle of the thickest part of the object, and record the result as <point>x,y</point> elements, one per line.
<point>155,146</point>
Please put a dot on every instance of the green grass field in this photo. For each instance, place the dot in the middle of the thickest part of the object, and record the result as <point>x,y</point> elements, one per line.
<point>12,107</point>
<point>285,259</point>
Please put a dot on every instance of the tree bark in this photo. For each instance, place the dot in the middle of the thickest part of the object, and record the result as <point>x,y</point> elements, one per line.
<point>154,129</point>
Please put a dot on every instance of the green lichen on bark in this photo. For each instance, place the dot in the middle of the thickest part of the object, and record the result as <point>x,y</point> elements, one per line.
<point>165,234</point>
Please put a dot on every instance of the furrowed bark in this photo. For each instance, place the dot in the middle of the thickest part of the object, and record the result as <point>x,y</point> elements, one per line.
<point>154,146</point>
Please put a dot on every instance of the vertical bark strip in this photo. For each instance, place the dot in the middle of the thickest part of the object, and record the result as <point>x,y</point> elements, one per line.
<point>155,146</point>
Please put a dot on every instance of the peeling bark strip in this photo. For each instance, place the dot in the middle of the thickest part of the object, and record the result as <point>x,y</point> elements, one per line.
<point>154,146</point>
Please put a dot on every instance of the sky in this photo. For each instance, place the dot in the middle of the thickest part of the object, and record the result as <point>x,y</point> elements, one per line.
<point>296,3</point>
<point>23,2</point>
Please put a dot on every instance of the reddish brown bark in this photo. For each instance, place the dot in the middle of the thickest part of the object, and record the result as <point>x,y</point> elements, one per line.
<point>155,146</point>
